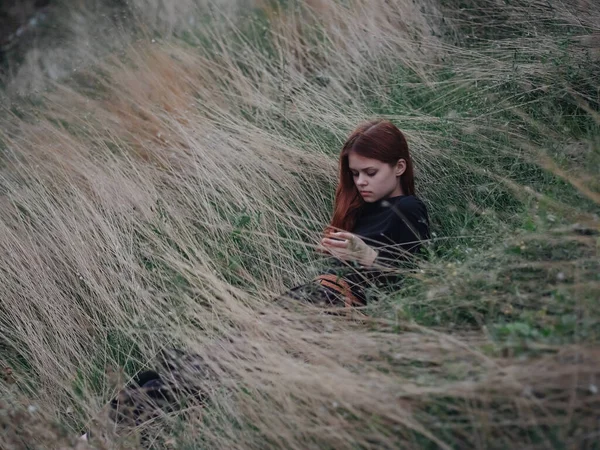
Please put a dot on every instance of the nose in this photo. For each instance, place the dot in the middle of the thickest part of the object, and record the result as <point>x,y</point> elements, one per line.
<point>361,181</point>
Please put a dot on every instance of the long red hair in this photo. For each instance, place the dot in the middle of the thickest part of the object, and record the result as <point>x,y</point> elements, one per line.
<point>377,139</point>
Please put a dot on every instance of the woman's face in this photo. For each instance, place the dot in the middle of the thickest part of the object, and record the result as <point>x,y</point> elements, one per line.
<point>375,179</point>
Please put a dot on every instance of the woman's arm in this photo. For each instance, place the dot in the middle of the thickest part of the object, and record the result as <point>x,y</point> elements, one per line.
<point>370,257</point>
<point>350,247</point>
<point>407,229</point>
<point>408,226</point>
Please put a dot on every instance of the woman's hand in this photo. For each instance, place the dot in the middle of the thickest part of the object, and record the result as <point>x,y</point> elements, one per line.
<point>348,246</point>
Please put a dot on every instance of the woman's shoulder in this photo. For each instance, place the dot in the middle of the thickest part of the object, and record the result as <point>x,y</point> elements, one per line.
<point>408,203</point>
<point>414,210</point>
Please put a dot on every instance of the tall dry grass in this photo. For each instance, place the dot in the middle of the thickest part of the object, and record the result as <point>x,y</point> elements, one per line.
<point>165,195</point>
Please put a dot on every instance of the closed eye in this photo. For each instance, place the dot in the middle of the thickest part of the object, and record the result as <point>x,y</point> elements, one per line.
<point>354,174</point>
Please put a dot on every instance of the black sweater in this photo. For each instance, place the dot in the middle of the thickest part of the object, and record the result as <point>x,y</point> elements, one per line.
<point>393,226</point>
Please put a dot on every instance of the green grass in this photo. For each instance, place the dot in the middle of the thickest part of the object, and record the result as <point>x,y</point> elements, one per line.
<point>503,263</point>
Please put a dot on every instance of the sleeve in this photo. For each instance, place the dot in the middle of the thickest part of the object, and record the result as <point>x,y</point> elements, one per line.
<point>408,228</point>
<point>402,236</point>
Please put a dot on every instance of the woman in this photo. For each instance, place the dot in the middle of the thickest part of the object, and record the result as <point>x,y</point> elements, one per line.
<point>378,223</point>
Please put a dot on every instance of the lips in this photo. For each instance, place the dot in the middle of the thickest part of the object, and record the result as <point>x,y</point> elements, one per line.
<point>365,192</point>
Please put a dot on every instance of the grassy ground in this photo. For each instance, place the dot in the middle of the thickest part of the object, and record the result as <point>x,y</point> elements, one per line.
<point>166,194</point>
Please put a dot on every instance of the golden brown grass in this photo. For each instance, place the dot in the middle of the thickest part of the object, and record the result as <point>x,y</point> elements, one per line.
<point>159,198</point>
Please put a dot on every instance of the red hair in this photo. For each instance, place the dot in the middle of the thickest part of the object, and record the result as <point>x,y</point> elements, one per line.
<point>377,139</point>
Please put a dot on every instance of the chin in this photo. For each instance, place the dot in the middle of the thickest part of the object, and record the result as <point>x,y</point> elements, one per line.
<point>370,199</point>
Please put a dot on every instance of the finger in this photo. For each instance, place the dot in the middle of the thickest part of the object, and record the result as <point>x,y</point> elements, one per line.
<point>344,234</point>
<point>335,243</point>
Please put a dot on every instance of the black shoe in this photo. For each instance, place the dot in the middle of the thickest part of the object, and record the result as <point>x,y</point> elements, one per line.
<point>141,400</point>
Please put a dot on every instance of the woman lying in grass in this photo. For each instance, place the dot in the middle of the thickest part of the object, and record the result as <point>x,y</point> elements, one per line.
<point>378,223</point>
<point>375,202</point>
